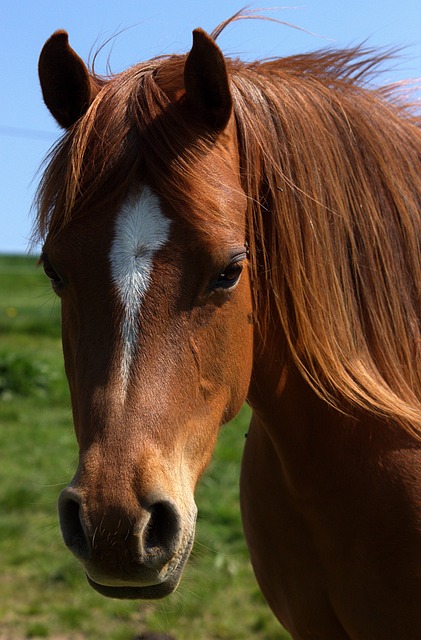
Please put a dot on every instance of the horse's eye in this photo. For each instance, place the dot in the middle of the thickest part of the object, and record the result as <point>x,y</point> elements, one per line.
<point>56,280</point>
<point>230,276</point>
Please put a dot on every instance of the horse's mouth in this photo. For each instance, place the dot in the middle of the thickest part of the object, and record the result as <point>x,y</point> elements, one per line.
<point>152,592</point>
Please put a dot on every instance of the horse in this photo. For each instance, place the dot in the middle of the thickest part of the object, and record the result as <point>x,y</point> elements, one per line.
<point>221,231</point>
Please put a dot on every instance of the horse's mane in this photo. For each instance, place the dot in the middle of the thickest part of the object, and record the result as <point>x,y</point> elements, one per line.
<point>331,169</point>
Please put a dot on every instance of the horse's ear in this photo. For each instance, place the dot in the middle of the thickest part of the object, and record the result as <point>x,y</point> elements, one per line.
<point>67,87</point>
<point>208,94</point>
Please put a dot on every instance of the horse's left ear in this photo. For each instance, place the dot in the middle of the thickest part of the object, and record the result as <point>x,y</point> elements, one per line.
<point>208,94</point>
<point>67,86</point>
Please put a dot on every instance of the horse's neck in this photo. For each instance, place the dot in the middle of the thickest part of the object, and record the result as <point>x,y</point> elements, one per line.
<point>289,410</point>
<point>282,401</point>
<point>301,425</point>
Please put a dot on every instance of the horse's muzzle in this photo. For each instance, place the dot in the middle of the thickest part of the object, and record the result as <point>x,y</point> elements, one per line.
<point>127,553</point>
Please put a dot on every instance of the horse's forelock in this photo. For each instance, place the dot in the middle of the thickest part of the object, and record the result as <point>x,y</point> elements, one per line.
<point>134,131</point>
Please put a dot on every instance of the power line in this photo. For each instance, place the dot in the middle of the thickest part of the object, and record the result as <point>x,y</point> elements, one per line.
<point>21,132</point>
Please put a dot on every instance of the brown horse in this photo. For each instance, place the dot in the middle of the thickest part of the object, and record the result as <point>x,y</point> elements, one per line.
<point>220,231</point>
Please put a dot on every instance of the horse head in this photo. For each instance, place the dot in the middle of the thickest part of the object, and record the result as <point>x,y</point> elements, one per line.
<point>146,248</point>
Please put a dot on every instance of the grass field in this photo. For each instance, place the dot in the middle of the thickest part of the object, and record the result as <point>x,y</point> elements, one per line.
<point>43,593</point>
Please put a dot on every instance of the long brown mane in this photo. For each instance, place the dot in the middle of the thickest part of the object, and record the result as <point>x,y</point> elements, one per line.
<point>336,197</point>
<point>331,169</point>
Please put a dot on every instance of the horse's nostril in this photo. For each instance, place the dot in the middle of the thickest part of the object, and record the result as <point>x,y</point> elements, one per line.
<point>161,537</point>
<point>70,524</point>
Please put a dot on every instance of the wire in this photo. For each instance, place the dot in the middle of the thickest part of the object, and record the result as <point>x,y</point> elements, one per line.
<point>20,132</point>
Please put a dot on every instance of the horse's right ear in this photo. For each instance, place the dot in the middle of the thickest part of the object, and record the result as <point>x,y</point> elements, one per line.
<point>67,86</point>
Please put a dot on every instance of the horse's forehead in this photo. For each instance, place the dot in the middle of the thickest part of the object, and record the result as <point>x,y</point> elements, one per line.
<point>141,229</point>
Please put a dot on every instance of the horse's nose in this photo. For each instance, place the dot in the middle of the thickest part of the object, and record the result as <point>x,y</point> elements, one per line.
<point>150,537</point>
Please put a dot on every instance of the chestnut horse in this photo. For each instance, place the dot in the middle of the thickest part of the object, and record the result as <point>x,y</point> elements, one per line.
<point>220,231</point>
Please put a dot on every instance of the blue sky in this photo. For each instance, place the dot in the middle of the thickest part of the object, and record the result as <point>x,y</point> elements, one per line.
<point>152,28</point>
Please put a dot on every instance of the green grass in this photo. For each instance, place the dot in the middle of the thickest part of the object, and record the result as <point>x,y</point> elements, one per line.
<point>43,593</point>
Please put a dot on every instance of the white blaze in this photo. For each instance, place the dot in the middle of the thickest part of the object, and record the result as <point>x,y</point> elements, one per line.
<point>140,230</point>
